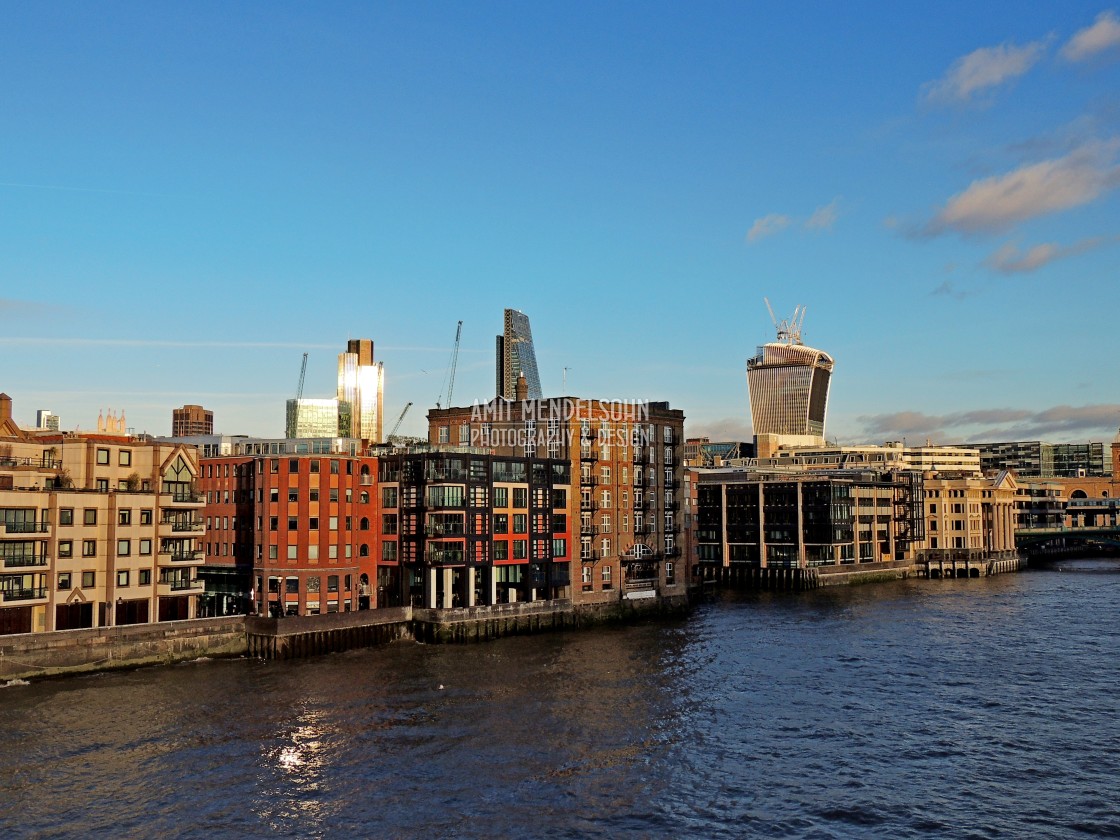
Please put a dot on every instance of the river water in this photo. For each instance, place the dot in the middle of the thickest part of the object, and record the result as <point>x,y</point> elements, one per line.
<point>972,708</point>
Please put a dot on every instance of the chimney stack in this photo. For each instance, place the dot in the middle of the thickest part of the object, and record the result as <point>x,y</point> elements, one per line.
<point>522,392</point>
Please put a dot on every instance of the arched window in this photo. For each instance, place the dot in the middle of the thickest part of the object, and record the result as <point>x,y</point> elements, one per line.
<point>1078,494</point>
<point>363,551</point>
<point>363,497</point>
<point>364,524</point>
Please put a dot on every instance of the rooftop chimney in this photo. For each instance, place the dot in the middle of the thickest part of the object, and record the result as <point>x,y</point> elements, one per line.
<point>5,407</point>
<point>522,392</point>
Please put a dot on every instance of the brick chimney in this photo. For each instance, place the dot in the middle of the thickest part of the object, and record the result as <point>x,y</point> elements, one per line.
<point>522,389</point>
<point>5,407</point>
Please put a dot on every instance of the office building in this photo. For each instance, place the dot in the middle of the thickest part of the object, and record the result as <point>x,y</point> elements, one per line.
<point>317,418</point>
<point>788,384</point>
<point>46,419</point>
<point>191,420</point>
<point>1037,459</point>
<point>762,520</point>
<point>515,357</point>
<point>361,387</point>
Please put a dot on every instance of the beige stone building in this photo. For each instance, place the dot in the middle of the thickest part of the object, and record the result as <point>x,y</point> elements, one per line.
<point>95,528</point>
<point>970,516</point>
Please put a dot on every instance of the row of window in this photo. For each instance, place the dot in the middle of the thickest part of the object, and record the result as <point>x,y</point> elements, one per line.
<point>89,548</point>
<point>124,457</point>
<point>89,516</point>
<point>89,579</point>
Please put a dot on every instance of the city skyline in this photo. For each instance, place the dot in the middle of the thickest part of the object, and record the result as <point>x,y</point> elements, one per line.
<point>196,197</point>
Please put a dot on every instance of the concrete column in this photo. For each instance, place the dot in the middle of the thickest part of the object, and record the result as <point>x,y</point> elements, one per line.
<point>448,577</point>
<point>492,585</point>
<point>762,562</point>
<point>430,588</point>
<point>470,576</point>
<point>802,560</point>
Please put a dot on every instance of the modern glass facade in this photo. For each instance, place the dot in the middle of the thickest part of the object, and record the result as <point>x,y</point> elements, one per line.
<point>515,356</point>
<point>308,418</point>
<point>788,386</point>
<point>361,385</point>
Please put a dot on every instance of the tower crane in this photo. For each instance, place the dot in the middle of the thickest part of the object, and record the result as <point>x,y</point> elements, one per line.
<point>299,396</point>
<point>397,425</point>
<point>451,367</point>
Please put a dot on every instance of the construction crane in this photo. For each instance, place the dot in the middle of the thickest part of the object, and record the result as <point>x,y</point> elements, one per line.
<point>299,396</point>
<point>450,382</point>
<point>397,425</point>
<point>788,329</point>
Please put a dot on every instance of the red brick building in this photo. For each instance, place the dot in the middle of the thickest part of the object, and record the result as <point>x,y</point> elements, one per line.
<point>295,530</point>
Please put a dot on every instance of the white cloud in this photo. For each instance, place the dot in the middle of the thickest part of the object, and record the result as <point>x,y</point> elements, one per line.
<point>1063,421</point>
<point>1103,35</point>
<point>824,217</point>
<point>768,226</point>
<point>996,203</point>
<point>983,69</point>
<point>1008,259</point>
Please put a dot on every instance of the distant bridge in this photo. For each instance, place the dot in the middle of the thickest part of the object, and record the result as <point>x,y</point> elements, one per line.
<point>1060,540</point>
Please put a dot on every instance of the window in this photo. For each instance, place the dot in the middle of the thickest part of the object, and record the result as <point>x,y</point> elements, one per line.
<point>65,548</point>
<point>605,547</point>
<point>102,485</point>
<point>334,494</point>
<point>501,523</point>
<point>606,575</point>
<point>587,576</point>
<point>144,577</point>
<point>293,465</point>
<point>520,523</point>
<point>273,523</point>
<point>334,467</point>
<point>145,517</point>
<point>293,494</point>
<point>332,583</point>
<point>293,523</point>
<point>89,579</point>
<point>273,552</point>
<point>520,549</point>
<point>292,555</point>
<point>313,582</point>
<point>313,552</point>
<point>103,457</point>
<point>501,550</point>
<point>274,465</point>
<point>313,523</point>
<point>291,585</point>
<point>501,497</point>
<point>605,475</point>
<point>520,497</point>
<point>124,517</point>
<point>444,434</point>
<point>89,516</point>
<point>125,459</point>
<point>63,580</point>
<point>66,516</point>
<point>315,465</point>
<point>145,548</point>
<point>89,548</point>
<point>333,523</point>
<point>124,548</point>
<point>313,494</point>
<point>122,578</point>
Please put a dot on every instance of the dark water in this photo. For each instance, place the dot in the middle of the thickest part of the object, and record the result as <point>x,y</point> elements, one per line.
<point>978,708</point>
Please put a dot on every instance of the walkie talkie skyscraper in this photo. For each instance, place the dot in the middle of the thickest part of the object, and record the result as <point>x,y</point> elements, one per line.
<point>788,384</point>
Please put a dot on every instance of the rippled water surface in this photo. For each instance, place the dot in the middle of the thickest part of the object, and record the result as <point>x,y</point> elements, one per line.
<point>977,708</point>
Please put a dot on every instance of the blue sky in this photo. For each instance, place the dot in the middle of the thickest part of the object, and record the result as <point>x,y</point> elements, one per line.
<point>193,195</point>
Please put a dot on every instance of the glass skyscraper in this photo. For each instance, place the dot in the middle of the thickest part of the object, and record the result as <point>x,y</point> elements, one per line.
<point>515,357</point>
<point>361,386</point>
<point>788,384</point>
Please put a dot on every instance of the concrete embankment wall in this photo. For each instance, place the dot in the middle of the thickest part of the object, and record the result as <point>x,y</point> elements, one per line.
<point>865,573</point>
<point>103,648</point>
<point>298,636</point>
